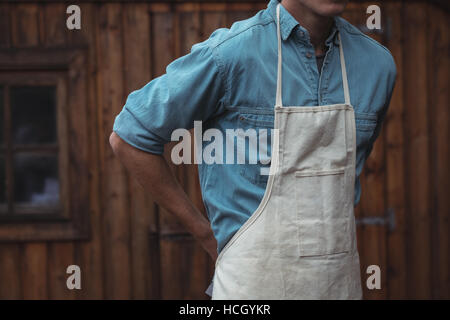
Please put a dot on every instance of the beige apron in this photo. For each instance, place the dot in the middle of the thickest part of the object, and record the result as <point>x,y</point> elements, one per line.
<point>300,243</point>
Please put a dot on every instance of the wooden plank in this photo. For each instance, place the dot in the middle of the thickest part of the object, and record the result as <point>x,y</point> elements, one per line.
<point>115,206</point>
<point>210,21</point>
<point>190,30</point>
<point>438,97</point>
<point>37,58</point>
<point>144,223</point>
<point>55,231</point>
<point>10,277</point>
<point>418,151</point>
<point>63,146</point>
<point>89,254</point>
<point>5,23</point>
<point>25,25</point>
<point>34,271</point>
<point>78,142</point>
<point>54,23</point>
<point>395,162</point>
<point>373,247</point>
<point>162,42</point>
<point>372,205</point>
<point>183,268</point>
<point>60,256</point>
<point>8,143</point>
<point>34,255</point>
<point>218,7</point>
<point>236,13</point>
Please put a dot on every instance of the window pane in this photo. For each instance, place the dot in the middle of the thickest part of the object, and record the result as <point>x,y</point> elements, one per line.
<point>2,112</point>
<point>33,115</point>
<point>36,179</point>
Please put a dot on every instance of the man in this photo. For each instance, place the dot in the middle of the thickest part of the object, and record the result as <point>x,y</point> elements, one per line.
<point>290,234</point>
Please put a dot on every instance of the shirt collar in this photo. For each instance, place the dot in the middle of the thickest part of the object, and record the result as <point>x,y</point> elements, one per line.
<point>288,24</point>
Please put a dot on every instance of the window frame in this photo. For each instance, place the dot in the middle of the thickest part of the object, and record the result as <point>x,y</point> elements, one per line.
<point>65,69</point>
<point>27,213</point>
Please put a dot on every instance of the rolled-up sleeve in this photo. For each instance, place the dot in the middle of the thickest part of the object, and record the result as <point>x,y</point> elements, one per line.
<point>191,89</point>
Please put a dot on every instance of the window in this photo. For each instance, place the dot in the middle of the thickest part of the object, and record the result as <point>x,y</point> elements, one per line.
<point>29,151</point>
<point>39,199</point>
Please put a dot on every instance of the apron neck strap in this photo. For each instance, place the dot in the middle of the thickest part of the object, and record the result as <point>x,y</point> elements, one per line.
<point>278,100</point>
<point>344,72</point>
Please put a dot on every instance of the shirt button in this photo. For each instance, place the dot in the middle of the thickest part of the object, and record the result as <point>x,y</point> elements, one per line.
<point>308,55</point>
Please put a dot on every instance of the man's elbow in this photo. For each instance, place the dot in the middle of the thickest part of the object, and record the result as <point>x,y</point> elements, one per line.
<point>116,143</point>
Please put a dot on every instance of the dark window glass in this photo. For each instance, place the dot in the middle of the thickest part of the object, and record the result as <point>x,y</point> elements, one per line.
<point>33,115</point>
<point>2,112</point>
<point>36,179</point>
<point>2,180</point>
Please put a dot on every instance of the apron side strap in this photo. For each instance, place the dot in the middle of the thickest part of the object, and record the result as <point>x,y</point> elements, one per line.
<point>344,73</point>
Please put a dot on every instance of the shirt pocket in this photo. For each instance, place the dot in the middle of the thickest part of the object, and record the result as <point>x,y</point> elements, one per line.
<point>254,127</point>
<point>365,127</point>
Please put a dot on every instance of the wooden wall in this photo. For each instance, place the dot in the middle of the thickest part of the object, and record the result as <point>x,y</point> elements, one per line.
<point>138,251</point>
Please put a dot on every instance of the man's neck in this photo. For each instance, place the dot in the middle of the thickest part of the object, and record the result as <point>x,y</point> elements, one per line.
<point>318,27</point>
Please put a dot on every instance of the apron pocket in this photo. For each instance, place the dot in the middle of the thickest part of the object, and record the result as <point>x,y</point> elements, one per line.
<point>322,213</point>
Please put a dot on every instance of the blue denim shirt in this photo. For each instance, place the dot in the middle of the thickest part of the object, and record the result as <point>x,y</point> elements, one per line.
<point>229,82</point>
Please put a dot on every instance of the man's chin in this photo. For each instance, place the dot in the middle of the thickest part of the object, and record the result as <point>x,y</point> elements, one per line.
<point>332,10</point>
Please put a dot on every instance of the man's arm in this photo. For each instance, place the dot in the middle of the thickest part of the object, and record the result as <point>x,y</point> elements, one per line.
<point>153,173</point>
<point>191,89</point>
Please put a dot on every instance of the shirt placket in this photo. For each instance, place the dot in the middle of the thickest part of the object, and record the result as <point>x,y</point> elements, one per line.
<point>308,57</point>
<point>325,76</point>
